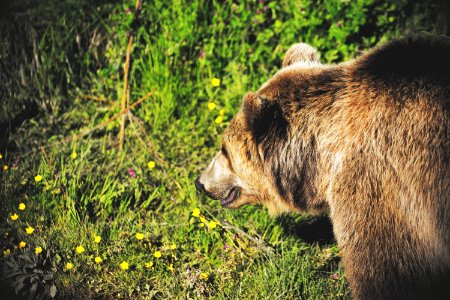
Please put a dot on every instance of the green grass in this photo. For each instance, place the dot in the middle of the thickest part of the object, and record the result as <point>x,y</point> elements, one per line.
<point>180,47</point>
<point>73,203</point>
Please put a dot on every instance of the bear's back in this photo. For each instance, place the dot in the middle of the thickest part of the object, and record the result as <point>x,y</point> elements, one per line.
<point>408,57</point>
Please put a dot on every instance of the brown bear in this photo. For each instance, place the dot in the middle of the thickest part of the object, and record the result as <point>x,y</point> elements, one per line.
<point>368,142</point>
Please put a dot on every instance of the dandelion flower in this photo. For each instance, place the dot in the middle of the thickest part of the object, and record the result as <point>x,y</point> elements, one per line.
<point>38,178</point>
<point>204,276</point>
<point>201,225</point>
<point>73,155</point>
<point>222,112</point>
<point>22,206</point>
<point>211,105</point>
<point>98,259</point>
<point>6,252</point>
<point>79,249</point>
<point>22,244</point>
<point>69,266</point>
<point>171,269</point>
<point>38,250</point>
<point>29,230</point>
<point>124,265</point>
<point>139,236</point>
<point>219,120</point>
<point>212,224</point>
<point>14,217</point>
<point>203,219</point>
<point>5,168</point>
<point>97,239</point>
<point>157,254</point>
<point>215,81</point>
<point>149,265</point>
<point>196,212</point>
<point>173,247</point>
<point>151,165</point>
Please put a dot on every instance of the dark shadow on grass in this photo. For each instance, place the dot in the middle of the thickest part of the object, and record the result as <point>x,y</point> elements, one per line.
<point>7,292</point>
<point>310,229</point>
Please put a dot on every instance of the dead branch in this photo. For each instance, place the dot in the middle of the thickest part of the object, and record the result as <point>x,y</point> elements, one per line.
<point>259,242</point>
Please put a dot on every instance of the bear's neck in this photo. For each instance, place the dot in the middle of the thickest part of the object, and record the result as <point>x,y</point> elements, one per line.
<point>301,166</point>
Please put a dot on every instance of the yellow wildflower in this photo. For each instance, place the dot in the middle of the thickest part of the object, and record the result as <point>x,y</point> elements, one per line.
<point>69,266</point>
<point>201,225</point>
<point>196,212</point>
<point>98,259</point>
<point>29,230</point>
<point>149,265</point>
<point>37,178</point>
<point>211,105</point>
<point>212,224</point>
<point>79,249</point>
<point>215,81</point>
<point>222,112</point>
<point>139,236</point>
<point>73,155</point>
<point>22,206</point>
<point>173,247</point>
<point>97,239</point>
<point>171,269</point>
<point>219,120</point>
<point>124,265</point>
<point>203,219</point>
<point>38,250</point>
<point>22,244</point>
<point>151,165</point>
<point>204,276</point>
<point>1,156</point>
<point>157,254</point>
<point>5,167</point>
<point>14,217</point>
<point>6,252</point>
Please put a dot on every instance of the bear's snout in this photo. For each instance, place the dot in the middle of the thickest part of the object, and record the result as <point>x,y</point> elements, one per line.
<point>200,187</point>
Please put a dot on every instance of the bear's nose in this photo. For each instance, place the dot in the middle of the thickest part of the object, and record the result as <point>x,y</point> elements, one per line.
<point>199,185</point>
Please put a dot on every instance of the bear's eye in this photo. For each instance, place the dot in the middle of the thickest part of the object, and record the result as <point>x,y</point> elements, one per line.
<point>224,151</point>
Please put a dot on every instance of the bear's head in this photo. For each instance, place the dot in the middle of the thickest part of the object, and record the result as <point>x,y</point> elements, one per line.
<point>252,165</point>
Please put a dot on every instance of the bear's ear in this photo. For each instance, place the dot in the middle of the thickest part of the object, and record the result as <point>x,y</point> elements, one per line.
<point>261,115</point>
<point>301,53</point>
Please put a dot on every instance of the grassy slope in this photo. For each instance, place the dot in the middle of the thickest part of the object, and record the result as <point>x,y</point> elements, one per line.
<point>94,194</point>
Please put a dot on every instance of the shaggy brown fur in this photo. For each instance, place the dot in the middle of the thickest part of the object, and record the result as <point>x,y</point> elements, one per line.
<point>367,141</point>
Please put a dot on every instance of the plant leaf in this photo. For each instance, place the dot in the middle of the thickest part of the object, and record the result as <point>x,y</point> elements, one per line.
<point>53,291</point>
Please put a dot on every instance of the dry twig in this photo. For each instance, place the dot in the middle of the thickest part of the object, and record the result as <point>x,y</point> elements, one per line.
<point>106,122</point>
<point>259,242</point>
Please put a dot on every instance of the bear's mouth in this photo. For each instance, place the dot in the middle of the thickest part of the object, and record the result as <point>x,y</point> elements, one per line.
<point>232,195</point>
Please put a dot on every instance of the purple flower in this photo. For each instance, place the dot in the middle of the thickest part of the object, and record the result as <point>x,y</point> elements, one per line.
<point>16,163</point>
<point>202,54</point>
<point>131,172</point>
<point>225,247</point>
<point>335,276</point>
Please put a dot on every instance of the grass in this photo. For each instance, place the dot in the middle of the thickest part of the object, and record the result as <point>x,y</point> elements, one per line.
<point>73,204</point>
<point>89,188</point>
